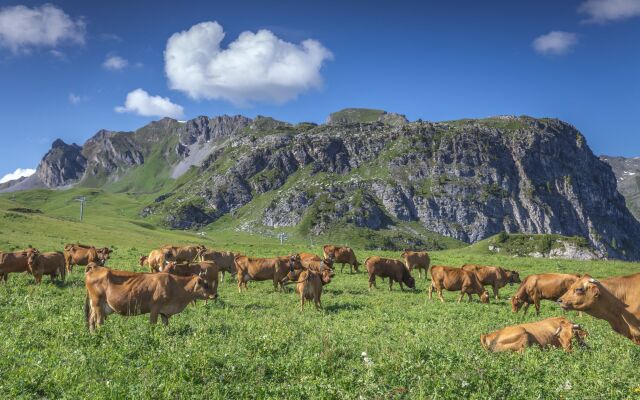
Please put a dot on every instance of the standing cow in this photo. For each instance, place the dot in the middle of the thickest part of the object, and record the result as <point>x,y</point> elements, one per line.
<point>207,269</point>
<point>14,262</point>
<point>52,264</point>
<point>80,254</point>
<point>454,279</point>
<point>541,287</point>
<point>133,293</point>
<point>223,259</point>
<point>417,259</point>
<point>341,255</point>
<point>158,258</point>
<point>275,269</point>
<point>186,253</point>
<point>495,277</point>
<point>388,268</point>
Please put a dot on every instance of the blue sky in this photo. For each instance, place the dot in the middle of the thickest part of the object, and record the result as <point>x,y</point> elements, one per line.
<point>69,68</point>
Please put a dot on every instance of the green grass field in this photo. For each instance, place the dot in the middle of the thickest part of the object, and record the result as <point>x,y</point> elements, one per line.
<point>259,345</point>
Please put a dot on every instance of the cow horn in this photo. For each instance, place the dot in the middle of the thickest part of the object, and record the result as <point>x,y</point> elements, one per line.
<point>557,332</point>
<point>576,326</point>
<point>594,280</point>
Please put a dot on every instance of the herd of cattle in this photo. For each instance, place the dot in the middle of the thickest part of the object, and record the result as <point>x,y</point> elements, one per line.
<point>180,275</point>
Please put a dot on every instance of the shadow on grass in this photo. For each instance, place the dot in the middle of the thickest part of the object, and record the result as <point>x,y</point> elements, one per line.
<point>335,308</point>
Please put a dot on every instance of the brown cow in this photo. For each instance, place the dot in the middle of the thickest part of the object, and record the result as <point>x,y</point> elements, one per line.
<point>454,279</point>
<point>388,268</point>
<point>223,259</point>
<point>263,269</point>
<point>309,286</point>
<point>323,267</point>
<point>496,277</point>
<point>541,287</point>
<point>615,299</point>
<point>14,262</point>
<point>209,270</point>
<point>80,254</point>
<point>134,293</point>
<point>158,259</point>
<point>52,264</point>
<point>186,253</point>
<point>554,332</point>
<point>341,255</point>
<point>417,259</point>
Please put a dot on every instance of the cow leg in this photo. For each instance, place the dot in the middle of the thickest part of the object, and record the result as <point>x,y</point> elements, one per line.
<point>153,317</point>
<point>3,278</point>
<point>430,291</point>
<point>341,267</point>
<point>372,281</point>
<point>401,287</point>
<point>536,303</point>
<point>165,319</point>
<point>240,281</point>
<point>302,300</point>
<point>461,296</point>
<point>390,283</point>
<point>495,291</point>
<point>526,308</point>
<point>469,294</point>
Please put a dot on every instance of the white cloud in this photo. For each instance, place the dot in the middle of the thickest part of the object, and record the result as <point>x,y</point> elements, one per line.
<point>18,173</point>
<point>141,103</point>
<point>555,42</point>
<point>601,11</point>
<point>254,67</point>
<point>115,63</point>
<point>22,28</point>
<point>74,99</point>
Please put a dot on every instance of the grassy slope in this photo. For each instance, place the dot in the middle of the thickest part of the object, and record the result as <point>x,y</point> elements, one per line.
<point>257,344</point>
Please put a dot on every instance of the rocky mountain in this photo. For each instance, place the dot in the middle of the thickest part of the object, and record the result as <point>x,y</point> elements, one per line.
<point>627,171</point>
<point>363,169</point>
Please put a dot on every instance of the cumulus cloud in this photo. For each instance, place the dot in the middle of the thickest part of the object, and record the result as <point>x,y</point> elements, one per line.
<point>115,63</point>
<point>141,103</point>
<point>254,67</point>
<point>555,42</point>
<point>74,99</point>
<point>18,173</point>
<point>601,11</point>
<point>22,28</point>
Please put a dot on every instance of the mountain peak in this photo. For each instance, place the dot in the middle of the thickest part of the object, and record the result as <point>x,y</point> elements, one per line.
<point>365,115</point>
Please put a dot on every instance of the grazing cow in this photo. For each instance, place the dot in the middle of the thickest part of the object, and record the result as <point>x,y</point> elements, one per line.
<point>341,255</point>
<point>496,277</point>
<point>388,268</point>
<point>454,279</point>
<point>615,299</point>
<point>417,259</point>
<point>324,267</point>
<point>186,253</point>
<point>223,259</point>
<point>158,259</point>
<point>52,264</point>
<point>553,332</point>
<point>134,293</point>
<point>263,269</point>
<point>309,286</point>
<point>80,254</point>
<point>209,270</point>
<point>541,287</point>
<point>14,262</point>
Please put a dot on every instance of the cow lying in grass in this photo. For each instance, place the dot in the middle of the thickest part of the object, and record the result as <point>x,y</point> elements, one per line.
<point>550,332</point>
<point>133,293</point>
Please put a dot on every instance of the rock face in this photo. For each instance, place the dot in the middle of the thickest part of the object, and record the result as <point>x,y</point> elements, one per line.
<point>466,179</point>
<point>627,171</point>
<point>62,165</point>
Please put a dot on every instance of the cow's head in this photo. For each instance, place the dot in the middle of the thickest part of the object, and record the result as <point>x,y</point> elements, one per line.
<point>295,262</point>
<point>516,303</point>
<point>170,267</point>
<point>582,295</point>
<point>408,280</point>
<point>567,331</point>
<point>484,296</point>
<point>328,262</point>
<point>32,258</point>
<point>203,289</point>
<point>513,277</point>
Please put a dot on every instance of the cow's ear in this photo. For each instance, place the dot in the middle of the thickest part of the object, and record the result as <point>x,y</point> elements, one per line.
<point>595,289</point>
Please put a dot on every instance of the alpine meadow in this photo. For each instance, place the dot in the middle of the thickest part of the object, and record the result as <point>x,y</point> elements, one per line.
<point>281,200</point>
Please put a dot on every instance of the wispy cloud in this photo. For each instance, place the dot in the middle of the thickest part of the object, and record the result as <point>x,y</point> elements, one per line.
<point>601,11</point>
<point>141,103</point>
<point>23,28</point>
<point>555,42</point>
<point>18,173</point>
<point>254,67</point>
<point>115,63</point>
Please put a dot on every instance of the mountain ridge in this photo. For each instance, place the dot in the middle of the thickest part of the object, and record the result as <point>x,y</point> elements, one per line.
<point>366,169</point>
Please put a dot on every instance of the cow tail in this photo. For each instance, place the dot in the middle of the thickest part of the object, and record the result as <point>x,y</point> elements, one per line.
<point>365,261</point>
<point>87,309</point>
